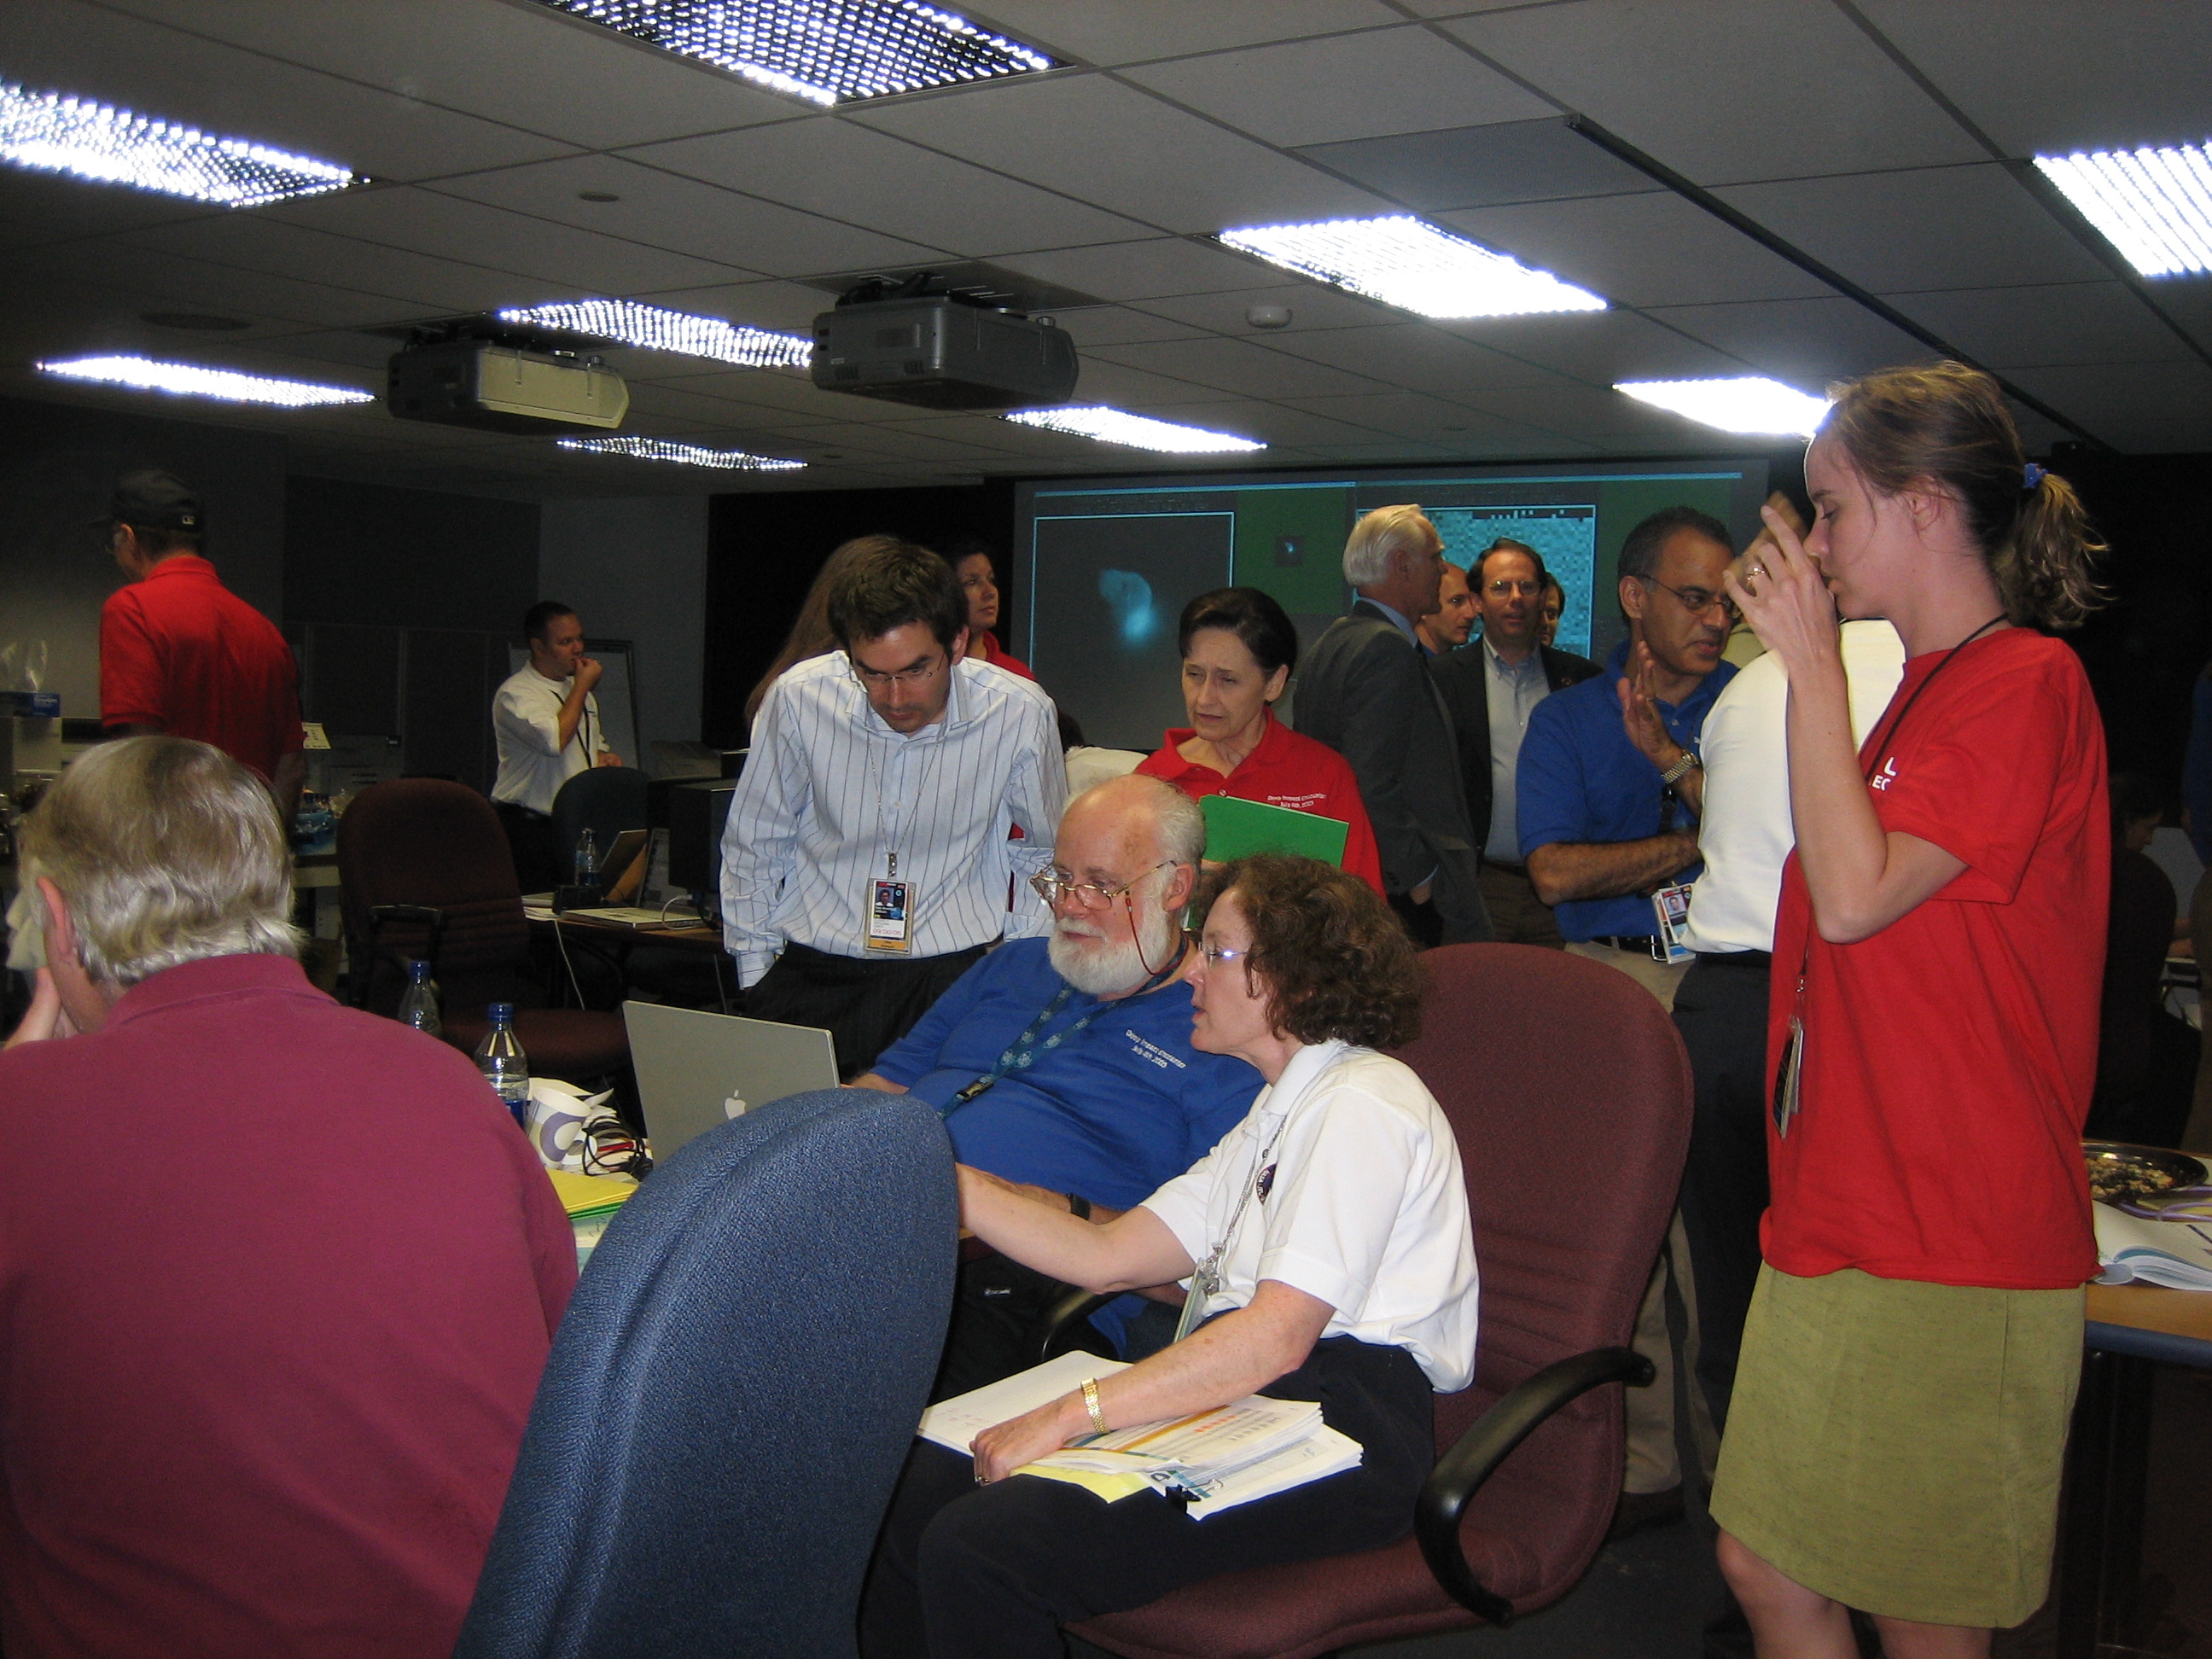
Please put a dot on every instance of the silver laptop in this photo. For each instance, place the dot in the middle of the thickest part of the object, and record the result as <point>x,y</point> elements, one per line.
<point>693,1068</point>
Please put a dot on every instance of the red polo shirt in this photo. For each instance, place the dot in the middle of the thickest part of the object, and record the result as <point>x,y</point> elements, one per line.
<point>181,653</point>
<point>278,1278</point>
<point>1287,769</point>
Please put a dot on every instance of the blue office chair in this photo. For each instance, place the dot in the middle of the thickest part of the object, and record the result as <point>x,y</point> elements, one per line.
<point>731,1394</point>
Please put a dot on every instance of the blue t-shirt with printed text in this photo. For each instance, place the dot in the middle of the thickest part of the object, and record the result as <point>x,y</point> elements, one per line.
<point>1581,780</point>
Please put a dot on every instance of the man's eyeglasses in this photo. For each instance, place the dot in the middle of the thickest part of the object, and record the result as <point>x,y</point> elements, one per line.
<point>1505,590</point>
<point>1053,885</point>
<point>877,680</point>
<point>1697,601</point>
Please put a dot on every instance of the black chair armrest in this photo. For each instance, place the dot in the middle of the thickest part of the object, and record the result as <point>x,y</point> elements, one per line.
<point>378,915</point>
<point>1061,1320</point>
<point>1459,1472</point>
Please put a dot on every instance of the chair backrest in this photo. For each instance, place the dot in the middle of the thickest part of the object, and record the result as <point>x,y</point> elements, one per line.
<point>605,800</point>
<point>731,1394</point>
<point>1570,1093</point>
<point>421,840</point>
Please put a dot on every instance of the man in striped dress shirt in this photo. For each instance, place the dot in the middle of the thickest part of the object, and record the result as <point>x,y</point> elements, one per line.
<point>868,859</point>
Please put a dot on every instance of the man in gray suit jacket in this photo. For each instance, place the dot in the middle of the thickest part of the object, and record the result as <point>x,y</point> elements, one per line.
<point>1365,690</point>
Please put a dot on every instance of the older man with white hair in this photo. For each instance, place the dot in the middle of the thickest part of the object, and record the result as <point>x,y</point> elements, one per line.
<point>281,1276</point>
<point>1065,1063</point>
<point>1366,693</point>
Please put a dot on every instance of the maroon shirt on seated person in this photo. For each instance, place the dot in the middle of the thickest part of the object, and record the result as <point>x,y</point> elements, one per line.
<point>276,1281</point>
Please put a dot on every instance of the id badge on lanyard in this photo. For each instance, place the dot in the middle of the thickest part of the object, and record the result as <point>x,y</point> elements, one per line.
<point>891,914</point>
<point>1670,909</point>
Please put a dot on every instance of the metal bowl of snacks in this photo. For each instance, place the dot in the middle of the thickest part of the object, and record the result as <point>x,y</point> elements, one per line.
<point>2119,1173</point>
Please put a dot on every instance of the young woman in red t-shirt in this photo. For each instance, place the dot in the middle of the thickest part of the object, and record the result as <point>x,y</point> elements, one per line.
<point>1896,1433</point>
<point>1238,648</point>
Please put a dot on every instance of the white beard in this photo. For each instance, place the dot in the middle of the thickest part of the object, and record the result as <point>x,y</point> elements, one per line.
<point>1102,961</point>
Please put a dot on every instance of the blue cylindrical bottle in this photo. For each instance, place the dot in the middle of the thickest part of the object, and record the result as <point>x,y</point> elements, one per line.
<point>499,1058</point>
<point>418,1003</point>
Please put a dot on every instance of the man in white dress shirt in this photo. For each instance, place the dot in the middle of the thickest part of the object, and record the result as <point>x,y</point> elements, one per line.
<point>1744,836</point>
<point>547,723</point>
<point>869,859</point>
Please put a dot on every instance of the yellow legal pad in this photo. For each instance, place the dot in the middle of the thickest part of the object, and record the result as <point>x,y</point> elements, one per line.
<point>585,1195</point>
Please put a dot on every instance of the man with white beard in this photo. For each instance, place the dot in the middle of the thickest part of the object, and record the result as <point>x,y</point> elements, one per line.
<point>1065,1064</point>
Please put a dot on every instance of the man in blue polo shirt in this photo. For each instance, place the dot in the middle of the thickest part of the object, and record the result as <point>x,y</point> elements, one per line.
<point>1065,1063</point>
<point>1609,791</point>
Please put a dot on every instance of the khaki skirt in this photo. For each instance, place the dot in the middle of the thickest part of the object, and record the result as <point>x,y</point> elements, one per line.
<point>1896,1445</point>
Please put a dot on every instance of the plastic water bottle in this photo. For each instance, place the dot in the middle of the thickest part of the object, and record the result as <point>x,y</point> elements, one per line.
<point>499,1058</point>
<point>418,1003</point>
<point>587,860</point>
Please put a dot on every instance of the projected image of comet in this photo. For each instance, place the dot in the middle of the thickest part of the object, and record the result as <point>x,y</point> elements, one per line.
<point>1130,596</point>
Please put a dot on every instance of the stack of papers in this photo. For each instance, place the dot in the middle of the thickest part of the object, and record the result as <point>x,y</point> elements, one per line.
<point>1218,1458</point>
<point>2175,1253</point>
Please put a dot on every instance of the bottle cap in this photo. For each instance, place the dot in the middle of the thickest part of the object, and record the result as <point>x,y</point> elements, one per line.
<point>418,968</point>
<point>500,1014</point>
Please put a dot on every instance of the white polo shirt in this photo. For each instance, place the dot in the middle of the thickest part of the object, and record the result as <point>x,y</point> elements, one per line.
<point>525,719</point>
<point>1745,833</point>
<point>1366,1209</point>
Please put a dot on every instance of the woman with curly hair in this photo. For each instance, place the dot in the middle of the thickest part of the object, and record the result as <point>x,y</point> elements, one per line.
<point>1899,1417</point>
<point>1330,1258</point>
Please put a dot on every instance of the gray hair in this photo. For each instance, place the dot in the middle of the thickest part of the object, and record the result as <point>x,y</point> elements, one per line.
<point>1379,534</point>
<point>1178,825</point>
<point>167,850</point>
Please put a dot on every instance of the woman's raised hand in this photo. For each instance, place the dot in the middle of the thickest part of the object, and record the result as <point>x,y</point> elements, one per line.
<point>1783,595</point>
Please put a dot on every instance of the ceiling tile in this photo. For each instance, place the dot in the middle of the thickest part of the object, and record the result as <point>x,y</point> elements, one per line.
<point>1098,325</point>
<point>1311,306</point>
<point>1589,413</point>
<point>69,46</point>
<point>744,396</point>
<point>42,207</point>
<point>419,285</point>
<point>521,65</point>
<point>1161,267</point>
<point>1279,425</point>
<point>165,281</point>
<point>1409,415</point>
<point>1418,358</point>
<point>1483,166</point>
<point>1319,91</point>
<point>790,307</point>
<point>2070,322</point>
<point>1238,366</point>
<point>1160,165</point>
<point>864,177</point>
<point>1966,227</point>
<point>427,221</point>
<point>1600,348</point>
<point>1723,90</point>
<point>1125,387</point>
<point>2166,406</point>
<point>2055,75</point>
<point>1805,342</point>
<point>1135,31</point>
<point>1638,250</point>
<point>662,209</point>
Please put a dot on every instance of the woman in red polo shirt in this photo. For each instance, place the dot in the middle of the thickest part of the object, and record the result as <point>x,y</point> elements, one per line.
<point>1896,1433</point>
<point>1238,649</point>
<point>979,580</point>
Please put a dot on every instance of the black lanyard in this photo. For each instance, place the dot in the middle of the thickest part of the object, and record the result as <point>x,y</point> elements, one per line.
<point>1021,1054</point>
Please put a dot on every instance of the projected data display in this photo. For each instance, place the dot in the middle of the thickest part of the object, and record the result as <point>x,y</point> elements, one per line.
<point>1109,566</point>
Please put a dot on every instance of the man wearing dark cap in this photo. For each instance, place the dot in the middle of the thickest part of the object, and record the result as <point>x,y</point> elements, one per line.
<point>180,652</point>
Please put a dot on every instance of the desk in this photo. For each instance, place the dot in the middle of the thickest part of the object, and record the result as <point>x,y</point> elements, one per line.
<point>2131,1328</point>
<point>613,941</point>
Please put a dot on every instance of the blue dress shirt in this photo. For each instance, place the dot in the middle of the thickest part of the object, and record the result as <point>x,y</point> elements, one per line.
<point>1581,780</point>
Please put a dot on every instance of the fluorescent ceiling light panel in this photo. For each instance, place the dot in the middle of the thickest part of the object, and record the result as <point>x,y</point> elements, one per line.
<point>1115,426</point>
<point>828,51</point>
<point>56,133</point>
<point>192,380</point>
<point>1414,266</point>
<point>1750,403</point>
<point>671,330</point>
<point>662,449</point>
<point>2155,205</point>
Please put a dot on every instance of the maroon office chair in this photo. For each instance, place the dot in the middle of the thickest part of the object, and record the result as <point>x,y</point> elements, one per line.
<point>424,870</point>
<point>1570,1094</point>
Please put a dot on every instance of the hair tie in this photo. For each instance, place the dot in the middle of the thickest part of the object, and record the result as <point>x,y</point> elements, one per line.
<point>2033,477</point>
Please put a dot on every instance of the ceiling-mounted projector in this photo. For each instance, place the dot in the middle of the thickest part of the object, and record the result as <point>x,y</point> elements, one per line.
<point>496,377</point>
<point>938,350</point>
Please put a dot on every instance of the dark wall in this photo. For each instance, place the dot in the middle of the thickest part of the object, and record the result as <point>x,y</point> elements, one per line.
<point>763,552</point>
<point>401,603</point>
<point>58,466</point>
<point>2144,650</point>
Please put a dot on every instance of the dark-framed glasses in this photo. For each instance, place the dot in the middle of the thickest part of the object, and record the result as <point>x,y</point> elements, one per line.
<point>1053,885</point>
<point>1697,601</point>
<point>876,680</point>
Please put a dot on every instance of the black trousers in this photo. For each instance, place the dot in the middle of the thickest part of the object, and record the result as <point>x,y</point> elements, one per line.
<point>1720,1009</point>
<point>963,1571</point>
<point>866,1004</point>
<point>530,837</point>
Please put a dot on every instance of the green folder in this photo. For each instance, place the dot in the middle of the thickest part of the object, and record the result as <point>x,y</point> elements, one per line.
<point>1233,828</point>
